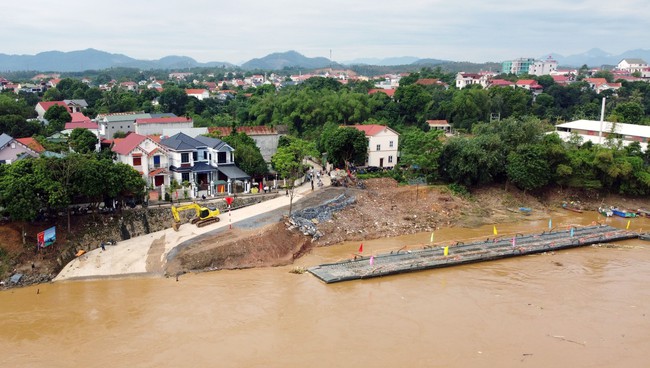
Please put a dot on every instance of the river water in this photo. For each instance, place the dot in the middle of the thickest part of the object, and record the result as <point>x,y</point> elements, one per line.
<point>585,307</point>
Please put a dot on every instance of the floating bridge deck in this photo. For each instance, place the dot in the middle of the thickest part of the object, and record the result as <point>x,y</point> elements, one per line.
<point>462,253</point>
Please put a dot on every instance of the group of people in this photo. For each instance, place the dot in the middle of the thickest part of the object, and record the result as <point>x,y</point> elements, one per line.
<point>319,181</point>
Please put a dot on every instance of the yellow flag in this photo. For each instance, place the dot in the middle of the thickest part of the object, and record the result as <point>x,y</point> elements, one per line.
<point>432,237</point>
<point>446,250</point>
<point>494,229</point>
<point>628,225</point>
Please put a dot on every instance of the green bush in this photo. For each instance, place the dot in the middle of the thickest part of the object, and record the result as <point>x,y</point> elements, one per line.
<point>459,190</point>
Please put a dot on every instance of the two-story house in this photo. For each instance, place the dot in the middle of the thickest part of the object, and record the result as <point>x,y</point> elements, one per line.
<point>200,93</point>
<point>382,145</point>
<point>202,162</point>
<point>632,65</point>
<point>12,149</point>
<point>145,155</point>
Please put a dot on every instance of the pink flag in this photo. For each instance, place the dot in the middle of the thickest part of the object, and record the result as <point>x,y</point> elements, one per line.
<point>513,241</point>
<point>372,260</point>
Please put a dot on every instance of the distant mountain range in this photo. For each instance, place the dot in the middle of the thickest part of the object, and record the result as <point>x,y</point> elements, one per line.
<point>289,59</point>
<point>91,59</point>
<point>597,57</point>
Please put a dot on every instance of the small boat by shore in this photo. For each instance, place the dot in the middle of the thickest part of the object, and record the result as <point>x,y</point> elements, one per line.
<point>644,236</point>
<point>572,207</point>
<point>623,213</point>
<point>605,211</point>
<point>643,212</point>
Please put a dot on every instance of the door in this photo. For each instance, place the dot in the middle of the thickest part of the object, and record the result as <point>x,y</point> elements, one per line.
<point>381,162</point>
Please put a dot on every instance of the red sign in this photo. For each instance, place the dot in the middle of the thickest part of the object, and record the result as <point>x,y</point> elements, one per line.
<point>229,200</point>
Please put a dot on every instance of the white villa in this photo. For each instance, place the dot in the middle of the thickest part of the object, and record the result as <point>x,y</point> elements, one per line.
<point>382,145</point>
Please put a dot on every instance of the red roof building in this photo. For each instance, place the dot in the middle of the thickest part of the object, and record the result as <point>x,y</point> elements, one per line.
<point>529,84</point>
<point>382,144</point>
<point>32,143</point>
<point>42,107</point>
<point>388,92</point>
<point>500,83</point>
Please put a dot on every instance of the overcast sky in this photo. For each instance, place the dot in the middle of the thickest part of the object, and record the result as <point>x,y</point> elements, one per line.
<point>239,30</point>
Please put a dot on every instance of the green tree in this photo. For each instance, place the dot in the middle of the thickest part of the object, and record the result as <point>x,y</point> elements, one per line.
<point>52,94</point>
<point>628,112</point>
<point>83,140</point>
<point>472,161</point>
<point>18,192</point>
<point>528,167</point>
<point>173,99</point>
<point>347,146</point>
<point>56,116</point>
<point>247,155</point>
<point>609,77</point>
<point>288,161</point>
<point>421,151</point>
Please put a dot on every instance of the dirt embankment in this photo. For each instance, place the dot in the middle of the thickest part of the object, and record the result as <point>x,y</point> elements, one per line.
<point>383,209</point>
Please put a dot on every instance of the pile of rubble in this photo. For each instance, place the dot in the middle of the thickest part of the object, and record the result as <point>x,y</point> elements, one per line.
<point>306,220</point>
<point>342,178</point>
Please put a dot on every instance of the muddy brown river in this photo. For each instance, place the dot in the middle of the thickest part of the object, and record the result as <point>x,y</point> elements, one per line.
<point>585,307</point>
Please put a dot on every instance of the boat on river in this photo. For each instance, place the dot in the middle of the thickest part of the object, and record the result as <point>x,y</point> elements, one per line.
<point>572,206</point>
<point>643,212</point>
<point>607,212</point>
<point>622,213</point>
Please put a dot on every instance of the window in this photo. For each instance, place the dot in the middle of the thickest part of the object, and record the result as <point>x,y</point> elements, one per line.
<point>185,177</point>
<point>195,156</point>
<point>205,155</point>
<point>390,159</point>
<point>221,157</point>
<point>390,144</point>
<point>379,147</point>
<point>137,161</point>
<point>185,158</point>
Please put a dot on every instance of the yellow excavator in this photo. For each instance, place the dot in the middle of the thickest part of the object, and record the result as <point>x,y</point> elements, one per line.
<point>204,215</point>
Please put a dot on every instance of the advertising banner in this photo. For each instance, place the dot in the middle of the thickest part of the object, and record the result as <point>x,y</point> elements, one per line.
<point>47,237</point>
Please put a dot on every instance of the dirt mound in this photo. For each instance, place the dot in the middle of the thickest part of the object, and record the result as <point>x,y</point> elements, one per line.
<point>380,183</point>
<point>386,209</point>
<point>272,245</point>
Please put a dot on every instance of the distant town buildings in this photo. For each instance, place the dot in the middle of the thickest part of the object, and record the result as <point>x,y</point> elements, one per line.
<point>632,65</point>
<point>529,66</point>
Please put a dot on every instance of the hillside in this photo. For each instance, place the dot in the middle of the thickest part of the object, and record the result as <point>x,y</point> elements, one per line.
<point>281,60</point>
<point>91,59</point>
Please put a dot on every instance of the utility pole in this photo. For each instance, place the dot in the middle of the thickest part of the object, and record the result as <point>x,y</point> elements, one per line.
<point>602,118</point>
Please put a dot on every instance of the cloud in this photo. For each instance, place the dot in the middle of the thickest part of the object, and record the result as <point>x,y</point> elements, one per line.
<point>473,30</point>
